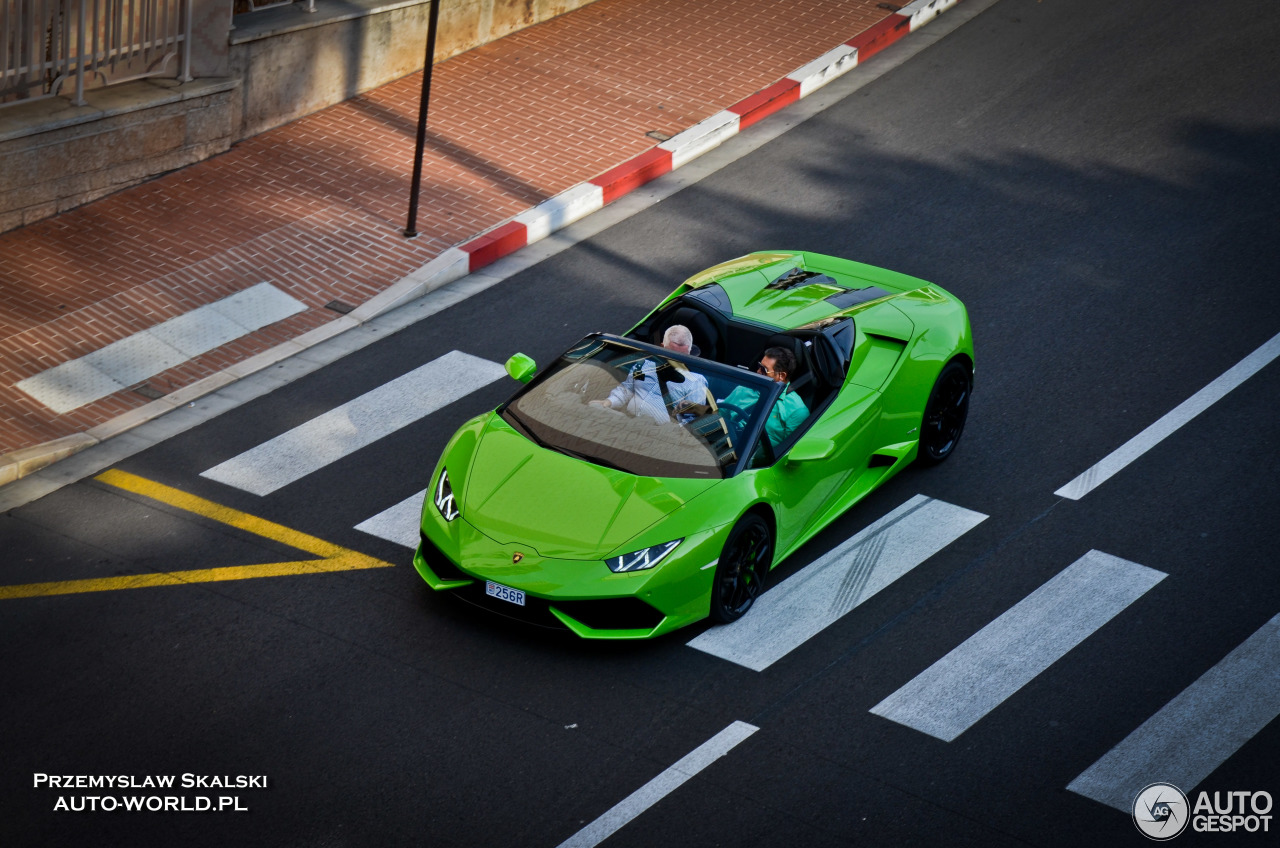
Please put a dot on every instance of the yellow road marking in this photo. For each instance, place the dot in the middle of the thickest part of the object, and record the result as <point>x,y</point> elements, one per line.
<point>332,557</point>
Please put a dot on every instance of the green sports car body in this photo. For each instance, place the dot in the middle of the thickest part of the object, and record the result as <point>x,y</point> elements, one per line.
<point>673,504</point>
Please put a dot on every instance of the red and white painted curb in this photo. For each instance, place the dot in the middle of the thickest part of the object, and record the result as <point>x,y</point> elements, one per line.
<point>568,206</point>
<point>522,230</point>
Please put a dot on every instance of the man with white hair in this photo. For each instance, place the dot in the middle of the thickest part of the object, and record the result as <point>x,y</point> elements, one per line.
<point>641,392</point>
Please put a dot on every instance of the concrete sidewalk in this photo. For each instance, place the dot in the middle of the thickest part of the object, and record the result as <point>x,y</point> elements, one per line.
<point>98,306</point>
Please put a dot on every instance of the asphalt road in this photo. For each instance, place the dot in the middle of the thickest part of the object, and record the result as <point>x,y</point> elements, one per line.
<point>1097,181</point>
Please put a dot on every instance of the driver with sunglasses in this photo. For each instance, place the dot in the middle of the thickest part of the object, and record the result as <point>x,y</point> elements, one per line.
<point>778,364</point>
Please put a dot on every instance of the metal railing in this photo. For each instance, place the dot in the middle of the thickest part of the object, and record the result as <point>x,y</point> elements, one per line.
<point>46,44</point>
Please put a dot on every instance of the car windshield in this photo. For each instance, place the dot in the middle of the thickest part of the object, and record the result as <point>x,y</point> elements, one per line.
<point>642,410</point>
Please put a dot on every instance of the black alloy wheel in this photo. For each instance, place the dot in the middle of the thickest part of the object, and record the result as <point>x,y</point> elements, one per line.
<point>945,413</point>
<point>743,565</point>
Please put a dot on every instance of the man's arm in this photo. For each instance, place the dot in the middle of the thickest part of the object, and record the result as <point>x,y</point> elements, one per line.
<point>626,390</point>
<point>689,394</point>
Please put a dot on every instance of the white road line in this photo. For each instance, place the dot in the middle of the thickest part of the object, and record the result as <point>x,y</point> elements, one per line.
<point>1198,730</point>
<point>347,428</point>
<point>954,693</point>
<point>784,617</point>
<point>142,355</point>
<point>399,523</point>
<point>660,787</point>
<point>1166,426</point>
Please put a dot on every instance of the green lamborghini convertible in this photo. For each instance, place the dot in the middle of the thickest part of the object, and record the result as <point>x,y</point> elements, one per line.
<point>646,481</point>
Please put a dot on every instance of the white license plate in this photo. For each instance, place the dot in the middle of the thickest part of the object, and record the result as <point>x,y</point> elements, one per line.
<point>504,593</point>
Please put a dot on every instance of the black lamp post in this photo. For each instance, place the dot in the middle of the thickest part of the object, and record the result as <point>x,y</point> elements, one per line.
<point>411,228</point>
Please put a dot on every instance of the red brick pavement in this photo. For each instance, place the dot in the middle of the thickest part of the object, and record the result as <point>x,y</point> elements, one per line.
<point>317,207</point>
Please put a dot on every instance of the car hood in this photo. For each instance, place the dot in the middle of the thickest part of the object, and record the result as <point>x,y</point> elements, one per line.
<point>518,492</point>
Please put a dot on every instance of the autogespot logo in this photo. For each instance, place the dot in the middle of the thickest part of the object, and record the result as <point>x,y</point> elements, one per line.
<point>1160,811</point>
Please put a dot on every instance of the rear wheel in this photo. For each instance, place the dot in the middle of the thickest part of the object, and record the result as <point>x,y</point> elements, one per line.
<point>740,574</point>
<point>945,413</point>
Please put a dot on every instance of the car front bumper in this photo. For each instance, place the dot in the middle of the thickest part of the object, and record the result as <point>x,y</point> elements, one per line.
<point>583,596</point>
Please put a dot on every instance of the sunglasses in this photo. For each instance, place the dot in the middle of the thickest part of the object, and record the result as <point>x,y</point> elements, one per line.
<point>761,369</point>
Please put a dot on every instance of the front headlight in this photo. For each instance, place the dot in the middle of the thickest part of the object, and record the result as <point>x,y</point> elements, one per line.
<point>444,497</point>
<point>640,560</point>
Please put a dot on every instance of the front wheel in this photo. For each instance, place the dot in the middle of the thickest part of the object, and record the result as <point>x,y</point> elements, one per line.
<point>945,413</point>
<point>740,574</point>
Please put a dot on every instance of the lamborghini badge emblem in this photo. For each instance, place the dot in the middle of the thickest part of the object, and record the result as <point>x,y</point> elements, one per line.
<point>516,557</point>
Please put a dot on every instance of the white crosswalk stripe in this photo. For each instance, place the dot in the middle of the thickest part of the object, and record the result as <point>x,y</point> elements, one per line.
<point>661,786</point>
<point>786,616</point>
<point>1184,412</point>
<point>150,352</point>
<point>1198,730</point>
<point>399,523</point>
<point>335,434</point>
<point>954,693</point>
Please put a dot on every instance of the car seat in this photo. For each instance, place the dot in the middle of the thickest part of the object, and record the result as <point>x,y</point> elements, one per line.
<point>802,381</point>
<point>706,338</point>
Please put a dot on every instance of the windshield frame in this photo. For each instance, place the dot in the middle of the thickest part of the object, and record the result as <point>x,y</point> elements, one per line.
<point>769,391</point>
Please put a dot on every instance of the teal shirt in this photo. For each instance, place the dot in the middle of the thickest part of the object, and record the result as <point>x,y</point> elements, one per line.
<point>787,414</point>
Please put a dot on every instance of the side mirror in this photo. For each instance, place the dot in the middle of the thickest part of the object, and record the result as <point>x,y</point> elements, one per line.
<point>811,449</point>
<point>521,367</point>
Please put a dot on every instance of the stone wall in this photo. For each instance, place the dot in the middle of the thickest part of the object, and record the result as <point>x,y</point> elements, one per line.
<point>293,63</point>
<point>56,156</point>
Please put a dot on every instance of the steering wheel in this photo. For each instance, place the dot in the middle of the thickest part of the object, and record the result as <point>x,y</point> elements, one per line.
<point>736,419</point>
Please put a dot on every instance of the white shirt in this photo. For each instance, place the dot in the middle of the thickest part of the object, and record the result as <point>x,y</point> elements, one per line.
<point>641,393</point>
